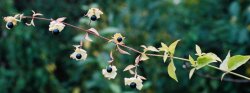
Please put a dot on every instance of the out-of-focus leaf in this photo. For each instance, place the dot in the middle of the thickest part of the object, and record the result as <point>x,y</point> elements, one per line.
<point>198,50</point>
<point>224,65</point>
<point>144,57</point>
<point>137,60</point>
<point>204,60</point>
<point>236,61</point>
<point>191,60</point>
<point>171,70</point>
<point>172,47</point>
<point>191,73</point>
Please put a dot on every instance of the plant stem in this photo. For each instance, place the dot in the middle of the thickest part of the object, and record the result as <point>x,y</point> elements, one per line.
<point>239,75</point>
<point>130,48</point>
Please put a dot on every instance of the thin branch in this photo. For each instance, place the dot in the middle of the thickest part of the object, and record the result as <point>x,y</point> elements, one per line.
<point>130,48</point>
<point>224,79</point>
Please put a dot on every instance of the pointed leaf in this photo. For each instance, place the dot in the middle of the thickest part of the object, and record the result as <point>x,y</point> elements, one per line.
<point>191,60</point>
<point>236,61</point>
<point>165,56</point>
<point>224,65</point>
<point>137,60</point>
<point>152,48</point>
<point>129,67</point>
<point>163,47</point>
<point>204,60</point>
<point>144,57</point>
<point>198,50</point>
<point>172,47</point>
<point>191,73</point>
<point>171,70</point>
<point>215,57</point>
<point>93,30</point>
<point>122,51</point>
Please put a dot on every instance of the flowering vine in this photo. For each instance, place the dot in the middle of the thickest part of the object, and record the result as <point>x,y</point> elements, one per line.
<point>201,60</point>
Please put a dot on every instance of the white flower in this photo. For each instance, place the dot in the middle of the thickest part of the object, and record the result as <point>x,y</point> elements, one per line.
<point>94,11</point>
<point>109,72</point>
<point>134,82</point>
<point>56,25</point>
<point>79,54</point>
<point>11,21</point>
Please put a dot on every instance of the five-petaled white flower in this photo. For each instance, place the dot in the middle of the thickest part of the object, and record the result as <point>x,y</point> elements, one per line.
<point>79,53</point>
<point>109,72</point>
<point>94,13</point>
<point>134,82</point>
<point>11,21</point>
<point>56,27</point>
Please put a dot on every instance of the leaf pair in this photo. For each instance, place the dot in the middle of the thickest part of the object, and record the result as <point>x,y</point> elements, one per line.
<point>203,58</point>
<point>168,50</point>
<point>232,63</point>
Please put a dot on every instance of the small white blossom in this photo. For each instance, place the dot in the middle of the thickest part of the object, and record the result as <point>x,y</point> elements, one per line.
<point>11,21</point>
<point>94,11</point>
<point>79,54</point>
<point>110,72</point>
<point>56,25</point>
<point>134,82</point>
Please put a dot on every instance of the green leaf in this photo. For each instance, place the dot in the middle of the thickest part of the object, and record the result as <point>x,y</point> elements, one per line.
<point>198,50</point>
<point>172,47</point>
<point>215,57</point>
<point>236,61</point>
<point>163,47</point>
<point>224,65</point>
<point>191,60</point>
<point>191,73</point>
<point>171,70</point>
<point>204,60</point>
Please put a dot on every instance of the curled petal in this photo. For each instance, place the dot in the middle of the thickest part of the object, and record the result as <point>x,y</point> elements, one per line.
<point>122,51</point>
<point>93,30</point>
<point>86,36</point>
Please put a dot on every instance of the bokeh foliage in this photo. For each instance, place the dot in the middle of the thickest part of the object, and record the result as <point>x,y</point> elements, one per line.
<point>33,60</point>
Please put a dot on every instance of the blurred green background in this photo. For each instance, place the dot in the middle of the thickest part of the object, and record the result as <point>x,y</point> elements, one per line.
<point>32,60</point>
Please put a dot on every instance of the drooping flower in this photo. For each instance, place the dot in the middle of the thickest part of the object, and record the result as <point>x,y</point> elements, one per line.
<point>56,26</point>
<point>11,21</point>
<point>79,53</point>
<point>94,14</point>
<point>118,38</point>
<point>110,72</point>
<point>134,82</point>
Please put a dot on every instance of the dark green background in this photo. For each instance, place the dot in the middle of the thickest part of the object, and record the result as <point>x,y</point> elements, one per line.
<point>25,52</point>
